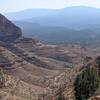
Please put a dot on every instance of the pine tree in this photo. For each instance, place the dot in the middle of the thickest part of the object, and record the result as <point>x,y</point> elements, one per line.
<point>86,83</point>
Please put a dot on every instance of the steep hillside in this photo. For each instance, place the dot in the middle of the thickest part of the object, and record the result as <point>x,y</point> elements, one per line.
<point>31,70</point>
<point>29,80</point>
<point>8,31</point>
<point>28,75</point>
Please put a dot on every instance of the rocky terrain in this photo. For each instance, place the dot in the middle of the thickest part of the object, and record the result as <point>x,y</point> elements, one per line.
<point>37,71</point>
<point>8,31</point>
<point>31,76</point>
<point>95,98</point>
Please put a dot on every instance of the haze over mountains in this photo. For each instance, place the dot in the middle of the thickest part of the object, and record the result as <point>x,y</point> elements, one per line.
<point>32,70</point>
<point>45,24</point>
<point>79,16</point>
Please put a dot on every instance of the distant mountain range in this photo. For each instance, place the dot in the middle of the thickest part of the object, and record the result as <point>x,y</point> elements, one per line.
<point>55,34</point>
<point>78,23</point>
<point>71,17</point>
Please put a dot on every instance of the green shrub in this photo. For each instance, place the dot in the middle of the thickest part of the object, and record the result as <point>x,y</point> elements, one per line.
<point>98,62</point>
<point>86,83</point>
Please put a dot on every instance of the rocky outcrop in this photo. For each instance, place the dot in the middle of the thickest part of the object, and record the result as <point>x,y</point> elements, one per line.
<point>8,31</point>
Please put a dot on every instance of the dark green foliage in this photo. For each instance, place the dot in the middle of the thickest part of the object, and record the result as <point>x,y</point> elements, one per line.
<point>98,62</point>
<point>86,83</point>
<point>62,58</point>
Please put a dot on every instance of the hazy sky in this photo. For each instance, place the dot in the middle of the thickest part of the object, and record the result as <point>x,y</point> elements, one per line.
<point>16,5</point>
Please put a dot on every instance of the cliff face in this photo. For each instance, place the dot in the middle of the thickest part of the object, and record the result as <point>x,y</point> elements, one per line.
<point>8,31</point>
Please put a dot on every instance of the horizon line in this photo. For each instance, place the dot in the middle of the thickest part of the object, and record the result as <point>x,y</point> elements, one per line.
<point>51,8</point>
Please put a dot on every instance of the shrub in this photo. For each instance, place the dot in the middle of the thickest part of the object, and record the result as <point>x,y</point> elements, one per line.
<point>86,83</point>
<point>2,78</point>
<point>98,62</point>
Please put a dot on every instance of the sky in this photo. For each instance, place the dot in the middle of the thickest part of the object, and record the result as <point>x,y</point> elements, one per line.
<point>18,5</point>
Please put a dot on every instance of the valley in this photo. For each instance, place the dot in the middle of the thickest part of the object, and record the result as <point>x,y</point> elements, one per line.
<point>36,71</point>
<point>40,62</point>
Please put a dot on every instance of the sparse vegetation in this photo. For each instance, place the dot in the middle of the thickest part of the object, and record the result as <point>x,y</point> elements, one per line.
<point>86,83</point>
<point>3,59</point>
<point>2,78</point>
<point>60,97</point>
